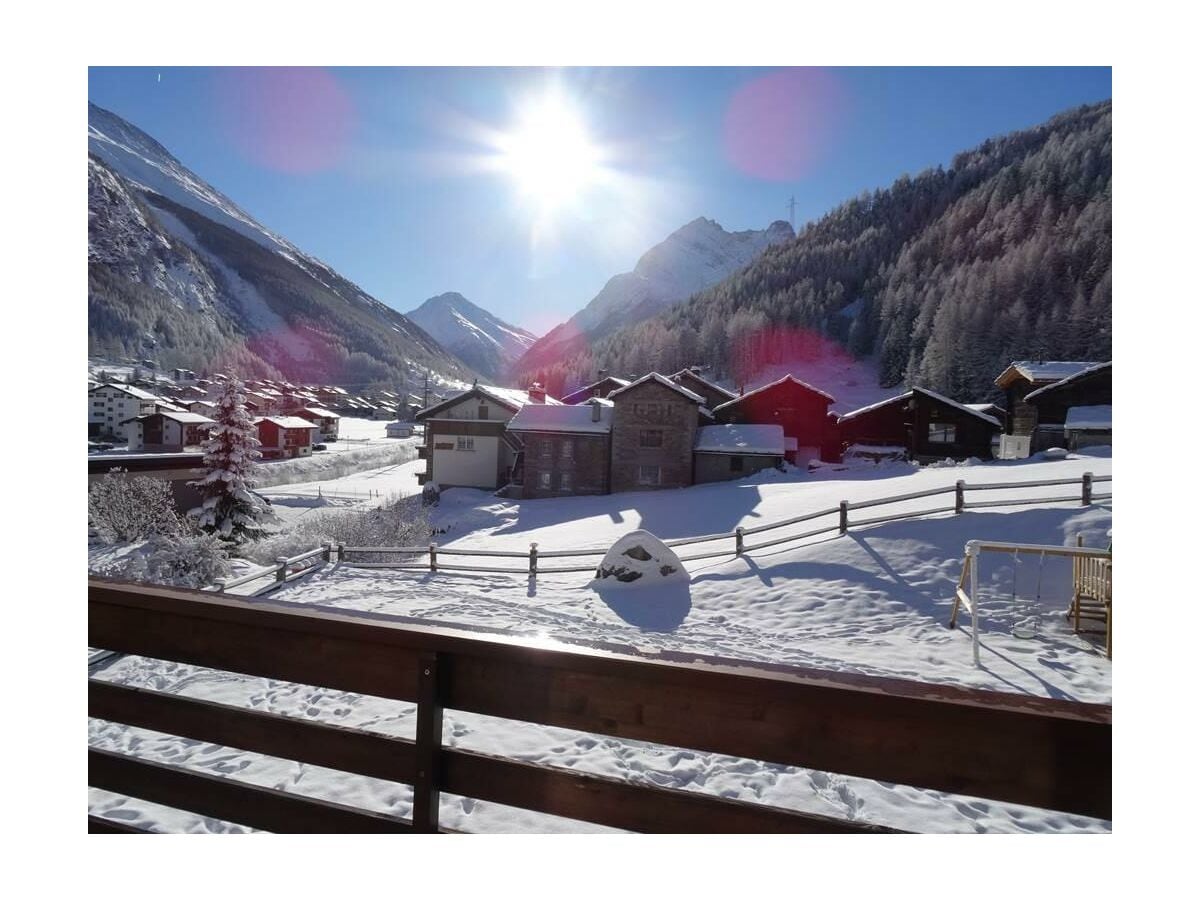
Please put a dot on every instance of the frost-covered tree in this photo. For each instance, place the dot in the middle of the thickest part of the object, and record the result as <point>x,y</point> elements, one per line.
<point>231,510</point>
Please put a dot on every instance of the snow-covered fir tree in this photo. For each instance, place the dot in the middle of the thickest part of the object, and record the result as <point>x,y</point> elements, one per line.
<point>231,510</point>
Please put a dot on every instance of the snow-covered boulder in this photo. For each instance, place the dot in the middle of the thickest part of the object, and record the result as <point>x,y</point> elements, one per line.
<point>642,558</point>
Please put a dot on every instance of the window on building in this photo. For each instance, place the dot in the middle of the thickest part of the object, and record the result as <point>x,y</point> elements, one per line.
<point>483,412</point>
<point>547,449</point>
<point>737,464</point>
<point>564,481</point>
<point>940,433</point>
<point>544,480</point>
<point>649,474</point>
<point>650,438</point>
<point>465,443</point>
<point>567,449</point>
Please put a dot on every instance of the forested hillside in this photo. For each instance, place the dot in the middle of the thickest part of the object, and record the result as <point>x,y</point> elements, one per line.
<point>945,277</point>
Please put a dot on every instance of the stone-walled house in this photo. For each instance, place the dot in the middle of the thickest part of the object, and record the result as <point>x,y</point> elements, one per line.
<point>726,452</point>
<point>653,434</point>
<point>565,450</point>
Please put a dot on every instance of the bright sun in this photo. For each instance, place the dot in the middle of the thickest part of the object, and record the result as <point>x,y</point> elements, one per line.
<point>550,153</point>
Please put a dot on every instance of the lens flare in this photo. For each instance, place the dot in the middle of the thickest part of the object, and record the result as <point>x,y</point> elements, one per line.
<point>780,126</point>
<point>290,120</point>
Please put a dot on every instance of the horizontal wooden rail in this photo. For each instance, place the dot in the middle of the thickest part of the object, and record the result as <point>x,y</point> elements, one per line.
<point>1033,751</point>
<point>1021,501</point>
<point>231,800</point>
<point>795,520</point>
<point>1013,485</point>
<point>831,529</point>
<point>99,825</point>
<point>915,514</point>
<point>901,498</point>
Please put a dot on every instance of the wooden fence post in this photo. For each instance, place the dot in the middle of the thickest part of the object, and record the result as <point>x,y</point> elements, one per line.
<point>737,537</point>
<point>533,559</point>
<point>428,745</point>
<point>219,584</point>
<point>432,557</point>
<point>281,572</point>
<point>960,496</point>
<point>341,552</point>
<point>327,551</point>
<point>843,516</point>
<point>1087,489</point>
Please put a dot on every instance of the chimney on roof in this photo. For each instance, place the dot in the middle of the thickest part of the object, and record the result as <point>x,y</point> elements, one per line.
<point>537,393</point>
<point>595,412</point>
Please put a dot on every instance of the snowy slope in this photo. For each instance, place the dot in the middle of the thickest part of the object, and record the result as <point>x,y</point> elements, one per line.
<point>179,273</point>
<point>695,257</point>
<point>485,343</point>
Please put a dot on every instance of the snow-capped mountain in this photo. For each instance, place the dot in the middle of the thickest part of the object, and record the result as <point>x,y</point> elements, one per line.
<point>179,273</point>
<point>695,257</point>
<point>485,343</point>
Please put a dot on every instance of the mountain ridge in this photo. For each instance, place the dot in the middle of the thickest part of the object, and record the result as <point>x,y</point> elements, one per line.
<point>180,273</point>
<point>486,343</point>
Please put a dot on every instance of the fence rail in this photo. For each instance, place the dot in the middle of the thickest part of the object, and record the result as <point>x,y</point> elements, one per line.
<point>1040,752</point>
<point>283,570</point>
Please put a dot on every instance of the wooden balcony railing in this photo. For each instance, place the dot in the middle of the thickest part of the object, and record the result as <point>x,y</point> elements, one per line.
<point>1040,752</point>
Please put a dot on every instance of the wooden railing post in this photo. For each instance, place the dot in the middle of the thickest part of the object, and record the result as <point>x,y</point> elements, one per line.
<point>427,785</point>
<point>1087,489</point>
<point>738,538</point>
<point>432,556</point>
<point>281,572</point>
<point>533,559</point>
<point>843,516</point>
<point>219,584</point>
<point>341,552</point>
<point>960,496</point>
<point>327,551</point>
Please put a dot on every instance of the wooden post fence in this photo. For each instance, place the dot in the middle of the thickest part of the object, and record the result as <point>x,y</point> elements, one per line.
<point>738,535</point>
<point>533,559</point>
<point>960,496</point>
<point>432,557</point>
<point>843,517</point>
<point>1087,489</point>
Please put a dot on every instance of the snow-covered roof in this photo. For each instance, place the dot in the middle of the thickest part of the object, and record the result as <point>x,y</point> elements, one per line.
<point>288,422</point>
<point>575,419</point>
<point>982,407</point>
<point>137,393</point>
<point>512,398</point>
<point>323,413</point>
<point>775,383</point>
<point>1043,372</point>
<point>716,387</point>
<point>665,382</point>
<point>1080,374</point>
<point>623,382</point>
<point>1082,417</point>
<point>767,440</point>
<point>183,417</point>
<point>991,420</point>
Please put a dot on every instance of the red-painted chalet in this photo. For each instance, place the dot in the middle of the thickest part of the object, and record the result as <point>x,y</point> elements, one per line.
<point>800,408</point>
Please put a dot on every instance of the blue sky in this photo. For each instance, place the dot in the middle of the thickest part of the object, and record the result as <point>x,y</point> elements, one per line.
<point>392,176</point>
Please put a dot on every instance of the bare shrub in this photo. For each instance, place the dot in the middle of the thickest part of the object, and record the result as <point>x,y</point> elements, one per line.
<point>125,508</point>
<point>402,523</point>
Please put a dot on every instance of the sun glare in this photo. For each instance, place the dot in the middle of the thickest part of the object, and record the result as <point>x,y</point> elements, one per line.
<point>550,154</point>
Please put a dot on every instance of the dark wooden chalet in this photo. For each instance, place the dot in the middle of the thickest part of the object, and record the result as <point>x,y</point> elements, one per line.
<point>602,387</point>
<point>653,433</point>
<point>565,450</point>
<point>1023,377</point>
<point>1088,392</point>
<point>926,425</point>
<point>800,408</point>
<point>714,395</point>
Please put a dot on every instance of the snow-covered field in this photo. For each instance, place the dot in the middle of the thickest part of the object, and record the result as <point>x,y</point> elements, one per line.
<point>361,490</point>
<point>875,601</point>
